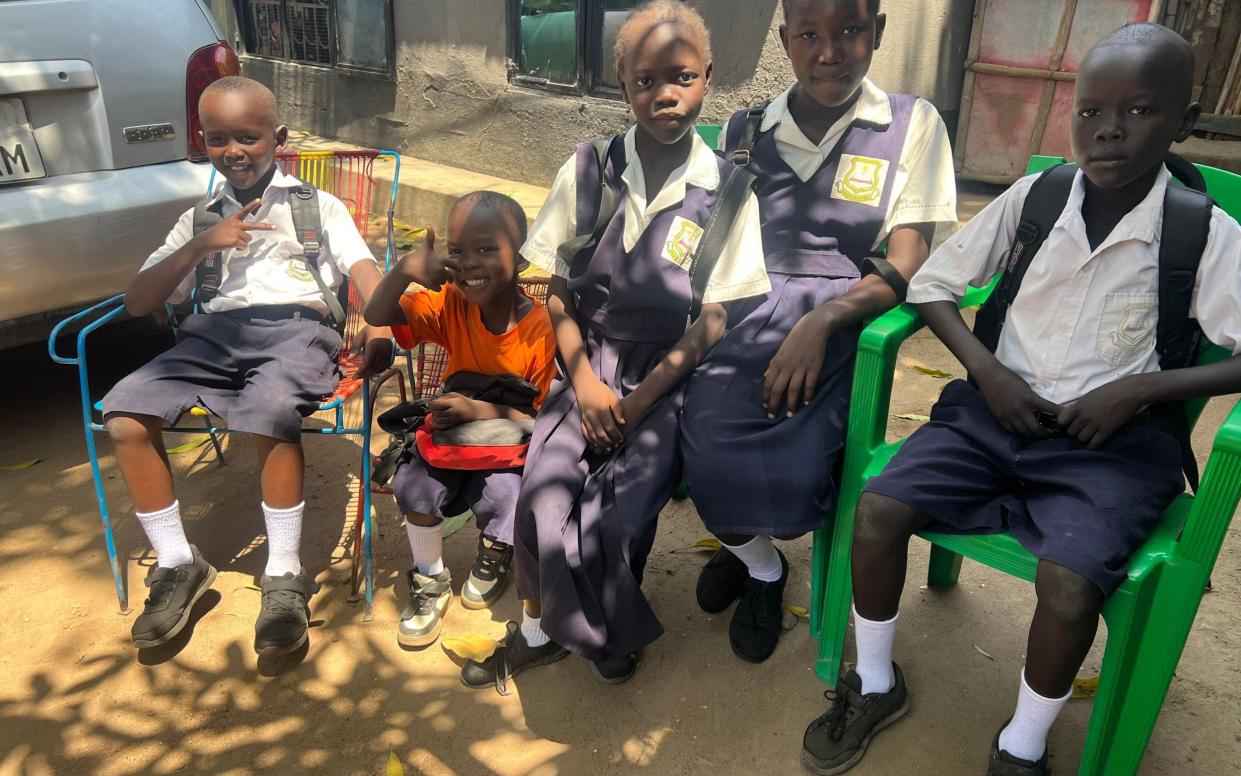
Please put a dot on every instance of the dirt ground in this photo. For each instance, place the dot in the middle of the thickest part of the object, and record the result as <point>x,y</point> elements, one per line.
<point>77,698</point>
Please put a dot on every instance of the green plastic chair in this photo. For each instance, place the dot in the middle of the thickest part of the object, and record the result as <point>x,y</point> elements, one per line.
<point>710,133</point>
<point>1148,618</point>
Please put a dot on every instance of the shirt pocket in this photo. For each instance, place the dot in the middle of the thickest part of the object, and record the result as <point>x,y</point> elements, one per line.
<point>1127,327</point>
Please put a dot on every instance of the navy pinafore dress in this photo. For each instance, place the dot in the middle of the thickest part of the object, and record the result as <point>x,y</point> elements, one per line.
<point>748,474</point>
<point>586,521</point>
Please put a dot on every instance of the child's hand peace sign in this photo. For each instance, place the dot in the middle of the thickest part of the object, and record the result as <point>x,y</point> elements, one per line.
<point>425,267</point>
<point>233,231</point>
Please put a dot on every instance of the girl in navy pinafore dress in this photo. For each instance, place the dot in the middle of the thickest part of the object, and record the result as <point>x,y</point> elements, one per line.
<point>604,457</point>
<point>842,169</point>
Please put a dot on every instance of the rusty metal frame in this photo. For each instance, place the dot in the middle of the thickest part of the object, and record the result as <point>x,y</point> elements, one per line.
<point>1052,74</point>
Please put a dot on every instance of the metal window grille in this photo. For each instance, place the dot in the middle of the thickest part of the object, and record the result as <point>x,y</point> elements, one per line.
<point>293,30</point>
<point>310,31</point>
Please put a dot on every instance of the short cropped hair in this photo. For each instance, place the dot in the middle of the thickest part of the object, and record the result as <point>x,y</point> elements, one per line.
<point>237,84</point>
<point>1164,47</point>
<point>503,205</point>
<point>655,12</point>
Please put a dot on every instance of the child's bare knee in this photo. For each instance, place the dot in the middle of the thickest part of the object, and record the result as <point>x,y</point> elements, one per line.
<point>422,519</point>
<point>1066,595</point>
<point>127,429</point>
<point>880,520</point>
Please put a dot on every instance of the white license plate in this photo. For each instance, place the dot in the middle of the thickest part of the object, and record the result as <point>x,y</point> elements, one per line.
<point>19,156</point>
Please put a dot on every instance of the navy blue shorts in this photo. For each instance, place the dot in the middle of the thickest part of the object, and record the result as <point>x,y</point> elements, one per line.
<point>1086,510</point>
<point>490,494</point>
<point>262,369</point>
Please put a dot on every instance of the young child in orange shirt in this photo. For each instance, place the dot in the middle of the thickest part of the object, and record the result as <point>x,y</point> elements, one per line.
<point>474,309</point>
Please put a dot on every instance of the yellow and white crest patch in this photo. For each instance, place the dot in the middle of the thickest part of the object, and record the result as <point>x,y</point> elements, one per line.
<point>860,179</point>
<point>683,237</point>
<point>296,269</point>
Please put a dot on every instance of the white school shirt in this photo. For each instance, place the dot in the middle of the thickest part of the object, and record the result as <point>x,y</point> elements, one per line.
<point>1086,318</point>
<point>924,189</point>
<point>740,271</point>
<point>269,269</point>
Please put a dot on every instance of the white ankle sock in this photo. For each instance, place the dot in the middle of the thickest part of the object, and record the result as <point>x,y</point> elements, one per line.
<point>167,536</point>
<point>1026,735</point>
<point>284,539</point>
<point>427,544</point>
<point>533,631</point>
<point>874,652</point>
<point>760,557</point>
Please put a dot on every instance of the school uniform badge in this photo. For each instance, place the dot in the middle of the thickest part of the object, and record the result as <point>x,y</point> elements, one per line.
<point>860,179</point>
<point>683,237</point>
<point>296,269</point>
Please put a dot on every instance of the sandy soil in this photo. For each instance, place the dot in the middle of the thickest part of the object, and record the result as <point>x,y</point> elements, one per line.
<point>77,698</point>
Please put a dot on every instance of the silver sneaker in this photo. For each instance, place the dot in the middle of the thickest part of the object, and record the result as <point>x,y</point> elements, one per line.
<point>423,617</point>
<point>492,568</point>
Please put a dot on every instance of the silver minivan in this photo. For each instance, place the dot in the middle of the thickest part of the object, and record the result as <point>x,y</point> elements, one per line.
<point>99,146</point>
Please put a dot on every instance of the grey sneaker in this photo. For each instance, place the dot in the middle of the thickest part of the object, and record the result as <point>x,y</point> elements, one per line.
<point>836,741</point>
<point>284,615</point>
<point>173,594</point>
<point>423,617</point>
<point>492,568</point>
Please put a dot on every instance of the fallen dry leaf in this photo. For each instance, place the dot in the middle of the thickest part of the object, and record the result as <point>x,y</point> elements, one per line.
<point>1085,687</point>
<point>929,372</point>
<point>394,765</point>
<point>800,612</point>
<point>470,646</point>
<point>702,545</point>
<point>982,652</point>
<point>913,416</point>
<point>185,447</point>
<point>16,467</point>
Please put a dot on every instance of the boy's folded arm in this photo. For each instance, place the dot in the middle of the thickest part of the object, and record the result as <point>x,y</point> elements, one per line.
<point>1011,400</point>
<point>1195,382</point>
<point>154,285</point>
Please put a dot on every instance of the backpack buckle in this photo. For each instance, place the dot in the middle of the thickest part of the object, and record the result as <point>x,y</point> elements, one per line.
<point>310,248</point>
<point>1027,233</point>
<point>303,193</point>
<point>741,157</point>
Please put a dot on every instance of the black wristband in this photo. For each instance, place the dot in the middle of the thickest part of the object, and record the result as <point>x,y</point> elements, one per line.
<point>891,275</point>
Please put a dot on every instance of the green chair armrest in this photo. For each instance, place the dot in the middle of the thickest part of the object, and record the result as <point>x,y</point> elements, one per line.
<point>872,379</point>
<point>876,366</point>
<point>1217,497</point>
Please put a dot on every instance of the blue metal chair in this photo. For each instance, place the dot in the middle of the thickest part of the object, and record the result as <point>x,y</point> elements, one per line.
<point>349,175</point>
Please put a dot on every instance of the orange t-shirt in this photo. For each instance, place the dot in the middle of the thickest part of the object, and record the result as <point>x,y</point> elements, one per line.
<point>444,317</point>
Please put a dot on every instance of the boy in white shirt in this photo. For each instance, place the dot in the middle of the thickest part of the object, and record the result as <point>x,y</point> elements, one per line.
<point>1062,436</point>
<point>258,354</point>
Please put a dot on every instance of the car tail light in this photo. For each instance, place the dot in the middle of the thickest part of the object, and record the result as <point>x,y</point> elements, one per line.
<point>209,63</point>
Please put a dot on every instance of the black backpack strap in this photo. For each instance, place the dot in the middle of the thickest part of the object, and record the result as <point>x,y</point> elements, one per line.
<point>734,190</point>
<point>577,251</point>
<point>890,274</point>
<point>304,204</point>
<point>1043,205</point>
<point>208,272</point>
<point>749,131</point>
<point>1178,337</point>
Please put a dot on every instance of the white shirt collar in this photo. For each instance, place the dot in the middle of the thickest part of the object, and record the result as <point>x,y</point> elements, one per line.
<point>700,170</point>
<point>1141,223</point>
<point>872,106</point>
<point>224,190</point>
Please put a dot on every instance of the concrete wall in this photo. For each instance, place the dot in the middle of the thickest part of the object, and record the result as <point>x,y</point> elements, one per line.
<point>451,101</point>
